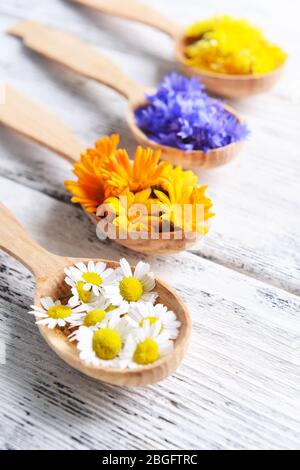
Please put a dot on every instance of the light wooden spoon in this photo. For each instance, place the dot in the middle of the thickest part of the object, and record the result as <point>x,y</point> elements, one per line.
<point>231,86</point>
<point>75,54</point>
<point>33,121</point>
<point>48,270</point>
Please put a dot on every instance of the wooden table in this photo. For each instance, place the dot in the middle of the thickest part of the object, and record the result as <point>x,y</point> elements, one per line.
<point>238,387</point>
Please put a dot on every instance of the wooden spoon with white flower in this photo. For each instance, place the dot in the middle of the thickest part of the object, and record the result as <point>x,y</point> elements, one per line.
<point>33,121</point>
<point>48,270</point>
<point>87,61</point>
<point>231,86</point>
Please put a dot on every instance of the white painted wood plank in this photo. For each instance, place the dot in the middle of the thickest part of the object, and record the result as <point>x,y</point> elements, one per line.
<point>256,197</point>
<point>238,387</point>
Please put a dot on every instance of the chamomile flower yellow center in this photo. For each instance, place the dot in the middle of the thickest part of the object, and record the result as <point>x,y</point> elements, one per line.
<point>84,296</point>
<point>152,320</point>
<point>146,352</point>
<point>107,343</point>
<point>59,311</point>
<point>94,317</point>
<point>92,278</point>
<point>131,289</point>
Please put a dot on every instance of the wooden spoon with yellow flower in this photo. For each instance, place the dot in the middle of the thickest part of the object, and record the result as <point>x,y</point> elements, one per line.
<point>48,270</point>
<point>84,59</point>
<point>141,204</point>
<point>231,56</point>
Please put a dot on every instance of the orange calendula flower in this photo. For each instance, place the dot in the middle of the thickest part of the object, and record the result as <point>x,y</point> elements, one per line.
<point>145,170</point>
<point>90,188</point>
<point>143,195</point>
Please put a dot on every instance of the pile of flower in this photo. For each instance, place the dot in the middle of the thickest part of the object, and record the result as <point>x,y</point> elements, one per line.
<point>180,114</point>
<point>142,195</point>
<point>231,46</point>
<point>111,315</point>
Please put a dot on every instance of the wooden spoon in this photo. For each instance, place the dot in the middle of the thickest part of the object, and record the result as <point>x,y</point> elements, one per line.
<point>231,86</point>
<point>48,270</point>
<point>75,54</point>
<point>33,121</point>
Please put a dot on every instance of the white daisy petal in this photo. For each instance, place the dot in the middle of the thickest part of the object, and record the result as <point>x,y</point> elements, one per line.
<point>141,270</point>
<point>125,267</point>
<point>82,267</point>
<point>47,302</point>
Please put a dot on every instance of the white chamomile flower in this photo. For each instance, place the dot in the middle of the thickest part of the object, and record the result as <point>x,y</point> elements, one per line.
<point>99,313</point>
<point>132,287</point>
<point>107,346</point>
<point>150,344</point>
<point>87,281</point>
<point>140,312</point>
<point>54,314</point>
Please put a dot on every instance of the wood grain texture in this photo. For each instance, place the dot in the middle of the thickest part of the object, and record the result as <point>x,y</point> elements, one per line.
<point>239,384</point>
<point>48,270</point>
<point>237,388</point>
<point>79,56</point>
<point>248,234</point>
<point>237,86</point>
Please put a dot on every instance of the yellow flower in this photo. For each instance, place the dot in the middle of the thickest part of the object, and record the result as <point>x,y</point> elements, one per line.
<point>133,211</point>
<point>90,188</point>
<point>144,195</point>
<point>121,174</point>
<point>185,208</point>
<point>231,46</point>
<point>185,178</point>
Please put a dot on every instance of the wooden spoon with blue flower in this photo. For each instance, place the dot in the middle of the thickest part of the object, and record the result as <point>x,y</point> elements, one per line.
<point>48,270</point>
<point>198,138</point>
<point>33,121</point>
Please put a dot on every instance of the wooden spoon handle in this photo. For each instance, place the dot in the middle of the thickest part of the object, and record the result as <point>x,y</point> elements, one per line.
<point>75,54</point>
<point>134,10</point>
<point>32,120</point>
<point>15,241</point>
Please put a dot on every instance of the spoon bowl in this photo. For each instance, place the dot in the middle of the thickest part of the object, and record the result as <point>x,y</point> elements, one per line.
<point>193,159</point>
<point>36,123</point>
<point>230,86</point>
<point>48,270</point>
<point>75,54</point>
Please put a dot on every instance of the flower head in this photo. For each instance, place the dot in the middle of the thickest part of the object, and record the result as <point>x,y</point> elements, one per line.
<point>180,114</point>
<point>185,206</point>
<point>91,278</point>
<point>145,171</point>
<point>97,314</point>
<point>53,313</point>
<point>106,346</point>
<point>133,212</point>
<point>231,46</point>
<point>150,344</point>
<point>147,313</point>
<point>131,286</point>
<point>90,189</point>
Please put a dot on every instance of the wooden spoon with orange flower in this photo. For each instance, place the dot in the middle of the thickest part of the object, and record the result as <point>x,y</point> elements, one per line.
<point>230,86</point>
<point>48,270</point>
<point>84,59</point>
<point>33,121</point>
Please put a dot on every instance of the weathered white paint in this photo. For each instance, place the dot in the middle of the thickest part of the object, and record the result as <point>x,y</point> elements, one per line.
<point>239,384</point>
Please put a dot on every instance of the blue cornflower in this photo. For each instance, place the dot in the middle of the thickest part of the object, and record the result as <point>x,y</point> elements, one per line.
<point>180,114</point>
